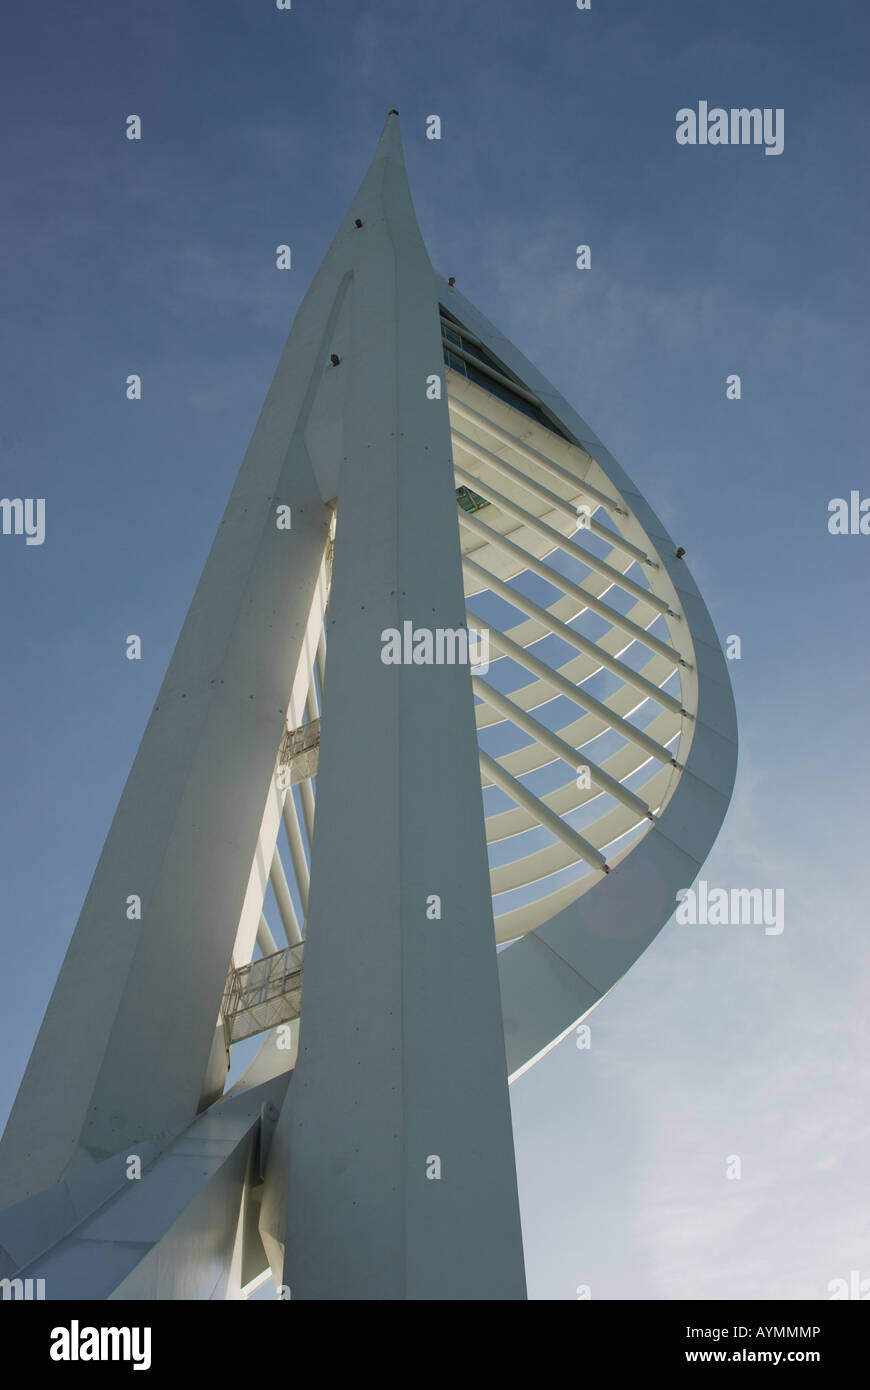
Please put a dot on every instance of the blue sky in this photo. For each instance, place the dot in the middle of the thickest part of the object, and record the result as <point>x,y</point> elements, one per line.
<point>558,127</point>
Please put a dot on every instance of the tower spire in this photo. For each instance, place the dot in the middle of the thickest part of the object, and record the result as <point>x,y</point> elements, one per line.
<point>368,1152</point>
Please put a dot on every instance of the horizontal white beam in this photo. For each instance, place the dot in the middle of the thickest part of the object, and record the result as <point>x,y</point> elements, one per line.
<point>549,533</point>
<point>552,499</point>
<point>533,455</point>
<point>557,745</point>
<point>265,940</point>
<point>278,880</point>
<point>523,797</point>
<point>573,692</point>
<point>559,581</point>
<point>297,849</point>
<point>576,639</point>
<point>493,373</point>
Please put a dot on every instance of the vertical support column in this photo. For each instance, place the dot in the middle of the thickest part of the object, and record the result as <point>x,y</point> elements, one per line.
<point>394,1151</point>
<point>129,1034</point>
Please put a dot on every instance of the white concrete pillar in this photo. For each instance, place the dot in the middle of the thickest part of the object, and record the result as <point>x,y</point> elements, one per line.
<point>394,1151</point>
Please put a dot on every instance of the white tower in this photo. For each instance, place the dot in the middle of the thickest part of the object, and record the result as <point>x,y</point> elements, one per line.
<point>367,1152</point>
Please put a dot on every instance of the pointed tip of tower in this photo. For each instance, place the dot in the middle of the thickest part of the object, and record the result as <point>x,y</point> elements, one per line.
<point>389,148</point>
<point>387,162</point>
<point>390,142</point>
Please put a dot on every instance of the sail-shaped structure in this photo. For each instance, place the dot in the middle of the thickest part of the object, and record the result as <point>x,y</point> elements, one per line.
<point>410,862</point>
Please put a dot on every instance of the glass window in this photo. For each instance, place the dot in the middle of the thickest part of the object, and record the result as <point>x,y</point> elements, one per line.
<point>470,501</point>
<point>496,388</point>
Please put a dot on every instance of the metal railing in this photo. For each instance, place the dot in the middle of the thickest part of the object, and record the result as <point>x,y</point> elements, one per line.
<point>263,994</point>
